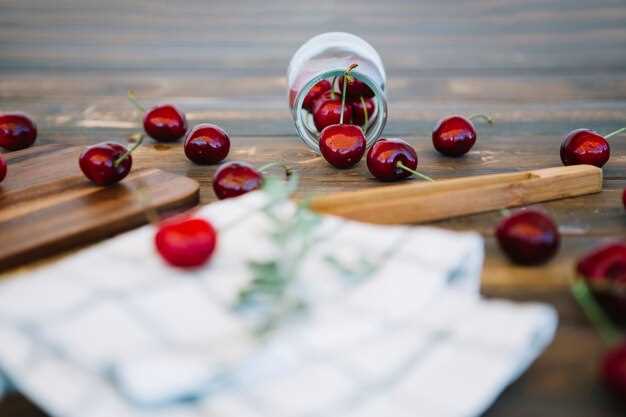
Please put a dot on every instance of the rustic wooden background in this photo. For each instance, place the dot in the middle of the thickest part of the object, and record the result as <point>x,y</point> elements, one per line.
<point>539,67</point>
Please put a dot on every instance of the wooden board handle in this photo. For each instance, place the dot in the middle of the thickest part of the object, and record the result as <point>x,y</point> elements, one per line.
<point>428,201</point>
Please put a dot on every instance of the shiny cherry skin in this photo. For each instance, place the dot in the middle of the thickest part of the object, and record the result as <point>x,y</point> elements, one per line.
<point>3,168</point>
<point>98,163</point>
<point>604,270</point>
<point>186,242</point>
<point>454,136</point>
<point>207,144</point>
<point>314,93</point>
<point>358,110</point>
<point>328,112</point>
<point>236,178</point>
<point>165,123</point>
<point>17,131</point>
<point>356,88</point>
<point>613,370</point>
<point>584,146</point>
<point>528,237</point>
<point>342,145</point>
<point>384,156</point>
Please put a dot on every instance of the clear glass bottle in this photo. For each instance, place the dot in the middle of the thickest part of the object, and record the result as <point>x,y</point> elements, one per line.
<point>326,57</point>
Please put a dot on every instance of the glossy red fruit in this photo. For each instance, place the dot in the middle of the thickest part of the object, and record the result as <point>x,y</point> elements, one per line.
<point>356,88</point>
<point>165,123</point>
<point>613,370</point>
<point>384,156</point>
<point>17,131</point>
<point>454,136</point>
<point>359,109</point>
<point>328,112</point>
<point>236,178</point>
<point>3,168</point>
<point>207,144</point>
<point>528,237</point>
<point>584,146</point>
<point>186,242</point>
<point>342,145</point>
<point>604,270</point>
<point>315,93</point>
<point>98,163</point>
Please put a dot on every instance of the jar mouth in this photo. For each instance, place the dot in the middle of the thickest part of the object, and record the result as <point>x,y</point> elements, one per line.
<point>373,131</point>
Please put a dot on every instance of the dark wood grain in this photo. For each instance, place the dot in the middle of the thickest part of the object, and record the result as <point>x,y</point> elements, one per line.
<point>47,205</point>
<point>539,67</point>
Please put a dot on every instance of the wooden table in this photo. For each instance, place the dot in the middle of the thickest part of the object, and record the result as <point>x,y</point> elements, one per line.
<point>540,68</point>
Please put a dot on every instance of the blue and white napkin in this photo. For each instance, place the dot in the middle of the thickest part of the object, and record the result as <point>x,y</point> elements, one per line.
<point>391,323</point>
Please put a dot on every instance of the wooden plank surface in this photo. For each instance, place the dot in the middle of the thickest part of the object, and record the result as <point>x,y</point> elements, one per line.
<point>539,67</point>
<point>47,204</point>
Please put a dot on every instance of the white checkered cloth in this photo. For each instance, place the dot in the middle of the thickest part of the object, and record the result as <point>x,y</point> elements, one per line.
<point>112,331</point>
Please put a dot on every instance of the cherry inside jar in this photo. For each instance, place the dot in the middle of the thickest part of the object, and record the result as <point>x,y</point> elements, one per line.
<point>315,86</point>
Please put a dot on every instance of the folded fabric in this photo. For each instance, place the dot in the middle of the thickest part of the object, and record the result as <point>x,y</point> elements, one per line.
<point>373,321</point>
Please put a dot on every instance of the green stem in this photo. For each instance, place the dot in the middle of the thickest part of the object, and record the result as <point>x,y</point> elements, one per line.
<point>133,99</point>
<point>288,170</point>
<point>346,78</point>
<point>617,132</point>
<point>364,111</point>
<point>483,117</point>
<point>400,165</point>
<point>121,159</point>
<point>594,313</point>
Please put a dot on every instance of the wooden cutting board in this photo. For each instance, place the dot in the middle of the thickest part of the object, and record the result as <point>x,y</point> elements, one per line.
<point>47,205</point>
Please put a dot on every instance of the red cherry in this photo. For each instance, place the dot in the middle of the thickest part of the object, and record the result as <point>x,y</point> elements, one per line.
<point>584,146</point>
<point>613,370</point>
<point>165,123</point>
<point>17,131</point>
<point>454,136</point>
<point>528,237</point>
<point>384,156</point>
<point>604,270</point>
<point>186,242</point>
<point>342,145</point>
<point>236,178</point>
<point>361,108</point>
<point>3,168</point>
<point>328,112</point>
<point>207,144</point>
<point>356,88</point>
<point>98,163</point>
<point>314,93</point>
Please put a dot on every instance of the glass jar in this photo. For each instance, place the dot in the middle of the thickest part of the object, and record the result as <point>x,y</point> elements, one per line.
<point>326,57</point>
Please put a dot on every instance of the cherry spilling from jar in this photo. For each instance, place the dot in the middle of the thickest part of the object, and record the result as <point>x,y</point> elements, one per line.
<point>320,93</point>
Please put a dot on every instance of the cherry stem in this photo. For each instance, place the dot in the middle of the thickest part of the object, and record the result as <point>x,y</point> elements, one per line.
<point>617,132</point>
<point>126,154</point>
<point>133,99</point>
<point>346,77</point>
<point>364,111</point>
<point>607,330</point>
<point>288,170</point>
<point>400,165</point>
<point>483,117</point>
